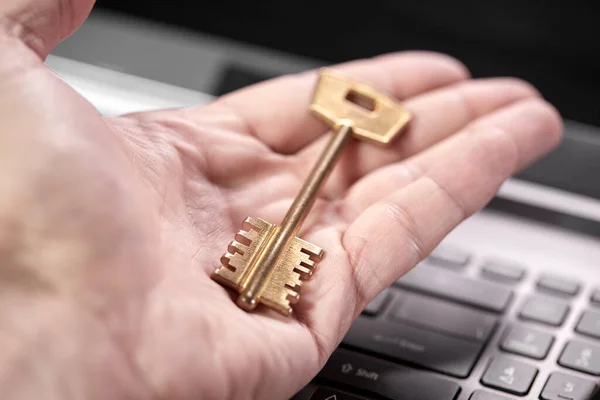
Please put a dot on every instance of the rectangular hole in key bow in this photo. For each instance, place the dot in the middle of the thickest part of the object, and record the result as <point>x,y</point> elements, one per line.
<point>361,100</point>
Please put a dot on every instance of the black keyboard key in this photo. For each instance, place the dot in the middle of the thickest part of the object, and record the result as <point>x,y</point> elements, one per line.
<point>330,394</point>
<point>449,256</point>
<point>442,316</point>
<point>509,375</point>
<point>481,395</point>
<point>544,310</point>
<point>527,342</point>
<point>561,286</point>
<point>435,351</point>
<point>582,357</point>
<point>377,304</point>
<point>452,286</point>
<point>386,379</point>
<point>589,324</point>
<point>566,387</point>
<point>502,271</point>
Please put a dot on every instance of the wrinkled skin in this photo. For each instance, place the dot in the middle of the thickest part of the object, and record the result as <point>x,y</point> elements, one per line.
<point>110,227</point>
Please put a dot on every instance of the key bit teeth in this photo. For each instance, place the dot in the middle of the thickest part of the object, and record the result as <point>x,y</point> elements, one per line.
<point>250,221</point>
<point>305,273</point>
<point>308,251</point>
<point>308,263</point>
<point>226,258</point>
<point>228,261</point>
<point>248,236</point>
<point>293,296</point>
<point>240,247</point>
<point>256,223</point>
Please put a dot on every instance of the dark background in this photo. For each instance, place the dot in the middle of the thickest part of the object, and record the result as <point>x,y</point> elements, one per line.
<point>553,44</point>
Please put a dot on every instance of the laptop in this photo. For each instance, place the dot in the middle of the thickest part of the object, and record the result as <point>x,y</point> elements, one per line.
<point>507,307</point>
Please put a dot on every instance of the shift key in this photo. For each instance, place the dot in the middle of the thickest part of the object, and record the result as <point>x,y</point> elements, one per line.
<point>431,350</point>
<point>454,287</point>
<point>386,379</point>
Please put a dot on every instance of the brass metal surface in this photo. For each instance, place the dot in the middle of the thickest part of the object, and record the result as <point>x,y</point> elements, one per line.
<point>267,263</point>
<point>297,264</point>
<point>330,103</point>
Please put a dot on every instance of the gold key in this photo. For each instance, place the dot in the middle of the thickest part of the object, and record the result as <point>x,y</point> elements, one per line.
<point>267,263</point>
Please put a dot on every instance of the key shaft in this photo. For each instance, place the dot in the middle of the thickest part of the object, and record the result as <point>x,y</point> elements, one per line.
<point>279,240</point>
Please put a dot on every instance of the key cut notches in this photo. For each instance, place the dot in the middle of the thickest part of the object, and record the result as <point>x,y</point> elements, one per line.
<point>266,263</point>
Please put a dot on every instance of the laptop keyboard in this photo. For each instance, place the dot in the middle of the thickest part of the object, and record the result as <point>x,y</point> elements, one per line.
<point>439,327</point>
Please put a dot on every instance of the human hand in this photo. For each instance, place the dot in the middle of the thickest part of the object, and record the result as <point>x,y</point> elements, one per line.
<point>111,227</point>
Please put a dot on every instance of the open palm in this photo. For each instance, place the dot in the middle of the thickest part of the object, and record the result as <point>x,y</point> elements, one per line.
<point>113,226</point>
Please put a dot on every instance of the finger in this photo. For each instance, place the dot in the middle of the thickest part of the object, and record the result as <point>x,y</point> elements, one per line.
<point>42,24</point>
<point>436,115</point>
<point>384,181</point>
<point>276,111</point>
<point>395,233</point>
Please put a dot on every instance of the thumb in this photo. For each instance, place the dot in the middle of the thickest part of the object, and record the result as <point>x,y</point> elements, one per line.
<point>42,24</point>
